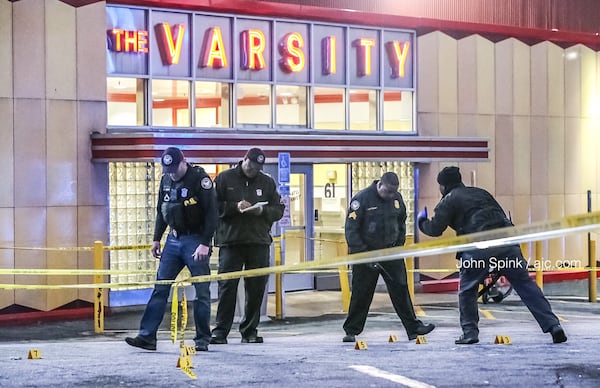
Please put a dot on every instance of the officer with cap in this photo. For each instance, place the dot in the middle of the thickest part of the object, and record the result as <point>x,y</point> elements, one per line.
<point>248,205</point>
<point>377,220</point>
<point>469,210</point>
<point>187,205</point>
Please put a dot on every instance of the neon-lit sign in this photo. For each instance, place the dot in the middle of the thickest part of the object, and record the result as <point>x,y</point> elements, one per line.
<point>397,56</point>
<point>363,55</point>
<point>170,47</point>
<point>290,48</point>
<point>329,65</point>
<point>324,54</point>
<point>128,41</point>
<point>213,53</point>
<point>252,45</point>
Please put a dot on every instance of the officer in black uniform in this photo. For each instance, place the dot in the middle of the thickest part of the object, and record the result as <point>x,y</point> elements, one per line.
<point>248,204</point>
<point>470,210</point>
<point>187,205</point>
<point>376,220</point>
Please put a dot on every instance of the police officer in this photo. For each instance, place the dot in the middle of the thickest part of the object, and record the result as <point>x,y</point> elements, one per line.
<point>376,220</point>
<point>248,204</point>
<point>187,205</point>
<point>469,210</point>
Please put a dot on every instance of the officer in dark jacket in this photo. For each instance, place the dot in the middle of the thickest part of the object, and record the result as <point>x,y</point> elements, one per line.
<point>376,220</point>
<point>187,205</point>
<point>248,204</point>
<point>469,210</point>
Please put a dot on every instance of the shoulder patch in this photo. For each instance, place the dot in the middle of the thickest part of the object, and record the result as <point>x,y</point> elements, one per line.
<point>354,205</point>
<point>396,204</point>
<point>206,183</point>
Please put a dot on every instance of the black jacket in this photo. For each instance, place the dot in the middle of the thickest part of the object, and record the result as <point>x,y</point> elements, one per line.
<point>234,227</point>
<point>374,223</point>
<point>466,210</point>
<point>188,206</point>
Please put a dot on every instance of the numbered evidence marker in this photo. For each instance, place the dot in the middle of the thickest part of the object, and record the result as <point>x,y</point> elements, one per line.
<point>360,345</point>
<point>34,354</point>
<point>421,340</point>
<point>184,362</point>
<point>187,350</point>
<point>393,338</point>
<point>502,340</point>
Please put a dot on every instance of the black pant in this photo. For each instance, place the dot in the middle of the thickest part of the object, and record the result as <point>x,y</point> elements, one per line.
<point>509,261</point>
<point>234,258</point>
<point>364,281</point>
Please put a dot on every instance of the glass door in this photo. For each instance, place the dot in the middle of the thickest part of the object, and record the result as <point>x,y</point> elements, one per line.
<point>297,237</point>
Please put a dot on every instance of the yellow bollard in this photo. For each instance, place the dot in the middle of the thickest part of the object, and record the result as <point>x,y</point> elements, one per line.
<point>410,271</point>
<point>278,280</point>
<point>98,292</point>
<point>344,287</point>
<point>343,271</point>
<point>410,276</point>
<point>525,250</point>
<point>539,272</point>
<point>593,273</point>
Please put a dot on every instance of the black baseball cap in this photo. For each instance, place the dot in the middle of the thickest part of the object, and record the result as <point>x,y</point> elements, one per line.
<point>256,155</point>
<point>170,159</point>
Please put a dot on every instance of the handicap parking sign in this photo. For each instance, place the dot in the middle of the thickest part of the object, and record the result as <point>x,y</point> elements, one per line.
<point>284,167</point>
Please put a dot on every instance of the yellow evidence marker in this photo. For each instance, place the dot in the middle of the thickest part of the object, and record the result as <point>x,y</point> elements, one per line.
<point>360,345</point>
<point>34,354</point>
<point>421,339</point>
<point>502,340</point>
<point>393,338</point>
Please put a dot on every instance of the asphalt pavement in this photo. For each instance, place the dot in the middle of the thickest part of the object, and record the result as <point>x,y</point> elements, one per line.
<point>305,349</point>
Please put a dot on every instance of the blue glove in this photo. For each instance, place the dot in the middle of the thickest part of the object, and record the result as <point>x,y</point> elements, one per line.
<point>422,215</point>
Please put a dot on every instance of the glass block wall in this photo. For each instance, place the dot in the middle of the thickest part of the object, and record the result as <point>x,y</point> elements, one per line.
<point>364,173</point>
<point>132,190</point>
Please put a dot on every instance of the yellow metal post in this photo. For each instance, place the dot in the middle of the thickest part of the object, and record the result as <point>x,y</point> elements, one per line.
<point>98,292</point>
<point>593,273</point>
<point>410,276</point>
<point>278,281</point>
<point>525,250</point>
<point>410,271</point>
<point>343,271</point>
<point>539,272</point>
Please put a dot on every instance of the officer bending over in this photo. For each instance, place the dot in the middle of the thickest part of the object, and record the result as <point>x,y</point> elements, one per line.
<point>187,204</point>
<point>470,210</point>
<point>376,220</point>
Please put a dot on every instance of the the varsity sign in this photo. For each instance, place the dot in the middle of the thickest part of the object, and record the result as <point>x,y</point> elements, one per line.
<point>145,41</point>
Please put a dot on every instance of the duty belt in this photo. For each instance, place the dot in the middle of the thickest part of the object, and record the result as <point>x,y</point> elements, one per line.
<point>178,233</point>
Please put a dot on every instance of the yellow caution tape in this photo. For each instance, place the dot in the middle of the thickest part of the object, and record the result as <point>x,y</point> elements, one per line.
<point>542,230</point>
<point>174,311</point>
<point>72,249</point>
<point>184,318</point>
<point>76,272</point>
<point>493,238</point>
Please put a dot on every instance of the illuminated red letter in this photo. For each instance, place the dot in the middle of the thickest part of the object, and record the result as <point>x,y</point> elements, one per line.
<point>329,65</point>
<point>170,49</point>
<point>363,51</point>
<point>128,41</point>
<point>291,49</point>
<point>397,57</point>
<point>213,54</point>
<point>252,45</point>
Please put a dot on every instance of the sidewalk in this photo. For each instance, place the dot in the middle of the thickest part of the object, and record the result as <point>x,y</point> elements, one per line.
<point>300,307</point>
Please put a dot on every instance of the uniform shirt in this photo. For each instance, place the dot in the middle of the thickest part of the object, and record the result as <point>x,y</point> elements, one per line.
<point>374,223</point>
<point>187,206</point>
<point>466,210</point>
<point>234,227</point>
